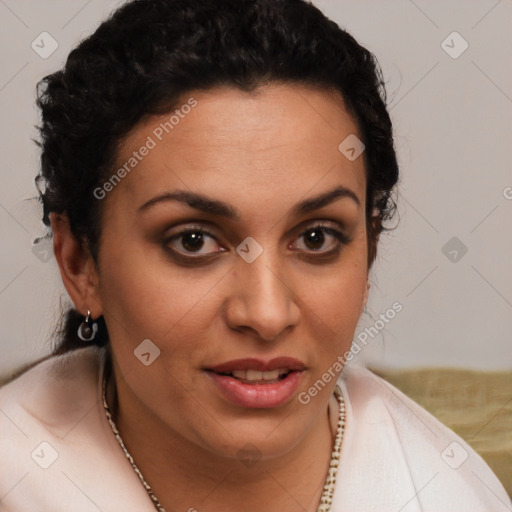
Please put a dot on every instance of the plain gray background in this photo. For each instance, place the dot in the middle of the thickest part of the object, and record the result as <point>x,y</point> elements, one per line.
<point>452,114</point>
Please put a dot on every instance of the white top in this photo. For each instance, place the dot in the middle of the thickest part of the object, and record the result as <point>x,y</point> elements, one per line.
<point>58,452</point>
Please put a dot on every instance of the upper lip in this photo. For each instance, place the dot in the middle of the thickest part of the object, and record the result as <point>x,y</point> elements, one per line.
<point>288,363</point>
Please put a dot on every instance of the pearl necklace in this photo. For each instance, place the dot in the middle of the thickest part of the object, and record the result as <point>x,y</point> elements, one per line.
<point>330,481</point>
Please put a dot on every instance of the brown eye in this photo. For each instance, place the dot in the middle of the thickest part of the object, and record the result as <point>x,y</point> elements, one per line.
<point>193,241</point>
<point>321,239</point>
<point>314,239</point>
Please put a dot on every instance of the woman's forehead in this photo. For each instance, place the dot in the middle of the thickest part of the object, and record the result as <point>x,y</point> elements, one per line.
<point>280,136</point>
<point>227,116</point>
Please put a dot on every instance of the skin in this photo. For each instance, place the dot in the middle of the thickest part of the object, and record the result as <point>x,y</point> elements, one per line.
<point>262,153</point>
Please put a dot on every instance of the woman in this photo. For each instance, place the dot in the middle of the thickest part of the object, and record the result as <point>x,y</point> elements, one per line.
<point>216,174</point>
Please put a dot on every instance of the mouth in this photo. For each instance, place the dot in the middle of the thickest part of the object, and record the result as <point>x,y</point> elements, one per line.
<point>256,384</point>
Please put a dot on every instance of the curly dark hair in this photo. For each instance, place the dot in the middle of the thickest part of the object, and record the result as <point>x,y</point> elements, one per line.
<point>148,53</point>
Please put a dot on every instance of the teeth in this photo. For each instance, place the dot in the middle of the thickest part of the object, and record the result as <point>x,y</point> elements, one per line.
<point>255,375</point>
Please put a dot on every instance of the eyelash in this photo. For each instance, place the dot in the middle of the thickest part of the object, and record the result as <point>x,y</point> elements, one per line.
<point>342,239</point>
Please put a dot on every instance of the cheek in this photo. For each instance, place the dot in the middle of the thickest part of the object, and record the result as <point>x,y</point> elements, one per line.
<point>338,306</point>
<point>342,291</point>
<point>151,299</point>
<point>335,303</point>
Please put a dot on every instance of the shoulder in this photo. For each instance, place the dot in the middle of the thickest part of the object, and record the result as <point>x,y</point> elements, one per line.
<point>408,459</point>
<point>52,392</point>
<point>39,413</point>
<point>57,450</point>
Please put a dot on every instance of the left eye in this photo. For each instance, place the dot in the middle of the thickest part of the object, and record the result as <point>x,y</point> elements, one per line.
<point>315,238</point>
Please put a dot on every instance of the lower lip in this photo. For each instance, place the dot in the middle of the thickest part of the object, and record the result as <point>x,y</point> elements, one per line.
<point>257,396</point>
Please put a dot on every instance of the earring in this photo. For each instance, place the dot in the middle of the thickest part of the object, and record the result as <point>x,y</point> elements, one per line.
<point>88,328</point>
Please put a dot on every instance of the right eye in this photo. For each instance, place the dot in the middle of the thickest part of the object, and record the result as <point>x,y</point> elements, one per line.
<point>193,241</point>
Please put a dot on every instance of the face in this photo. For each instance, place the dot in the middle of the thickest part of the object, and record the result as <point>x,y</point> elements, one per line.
<point>240,235</point>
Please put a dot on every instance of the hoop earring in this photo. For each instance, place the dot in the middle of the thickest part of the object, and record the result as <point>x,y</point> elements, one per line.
<point>88,328</point>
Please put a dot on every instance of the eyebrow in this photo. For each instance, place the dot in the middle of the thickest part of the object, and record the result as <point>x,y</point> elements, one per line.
<point>221,209</point>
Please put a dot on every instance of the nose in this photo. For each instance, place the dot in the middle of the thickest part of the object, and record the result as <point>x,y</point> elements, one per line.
<point>262,301</point>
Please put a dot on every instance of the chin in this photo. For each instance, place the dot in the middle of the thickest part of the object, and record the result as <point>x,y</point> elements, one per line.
<point>251,437</point>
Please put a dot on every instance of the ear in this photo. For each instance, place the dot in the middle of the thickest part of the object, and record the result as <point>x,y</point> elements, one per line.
<point>77,267</point>
<point>373,231</point>
<point>365,297</point>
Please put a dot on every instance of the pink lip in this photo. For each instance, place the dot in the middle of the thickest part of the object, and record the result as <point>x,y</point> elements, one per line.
<point>260,365</point>
<point>257,396</point>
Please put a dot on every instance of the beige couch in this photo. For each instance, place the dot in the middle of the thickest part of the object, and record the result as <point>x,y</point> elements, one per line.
<point>475,405</point>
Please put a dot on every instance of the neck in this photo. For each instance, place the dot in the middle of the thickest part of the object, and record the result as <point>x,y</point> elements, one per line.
<point>204,481</point>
